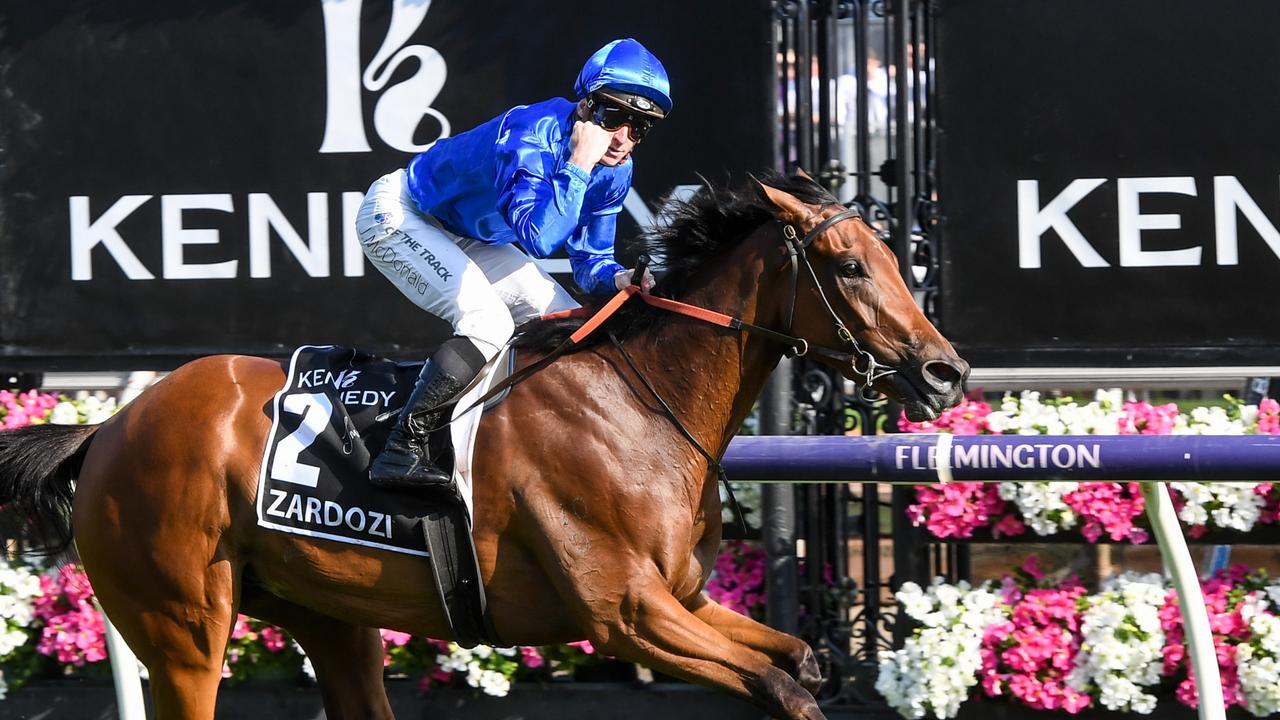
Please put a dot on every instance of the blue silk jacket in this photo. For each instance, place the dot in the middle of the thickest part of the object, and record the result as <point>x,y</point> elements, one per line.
<point>510,180</point>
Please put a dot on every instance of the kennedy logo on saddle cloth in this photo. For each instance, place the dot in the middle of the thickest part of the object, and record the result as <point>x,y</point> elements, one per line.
<point>323,434</point>
<point>314,477</point>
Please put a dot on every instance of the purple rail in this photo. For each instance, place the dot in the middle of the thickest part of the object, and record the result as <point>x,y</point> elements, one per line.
<point>914,458</point>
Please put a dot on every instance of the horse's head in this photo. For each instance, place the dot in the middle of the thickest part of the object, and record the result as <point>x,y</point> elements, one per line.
<point>850,297</point>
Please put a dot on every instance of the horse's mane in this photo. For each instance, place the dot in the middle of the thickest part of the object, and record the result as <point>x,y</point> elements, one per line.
<point>696,232</point>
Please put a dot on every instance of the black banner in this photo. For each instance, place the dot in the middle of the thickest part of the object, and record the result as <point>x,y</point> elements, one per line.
<point>180,179</point>
<point>1108,181</point>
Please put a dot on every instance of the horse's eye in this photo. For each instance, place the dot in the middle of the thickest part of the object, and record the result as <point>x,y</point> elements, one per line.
<point>851,269</point>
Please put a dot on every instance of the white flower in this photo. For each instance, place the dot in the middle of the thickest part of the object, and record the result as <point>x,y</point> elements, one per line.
<point>19,586</point>
<point>1109,400</point>
<point>458,659</point>
<point>938,666</point>
<point>1234,506</point>
<point>1258,666</point>
<point>1122,643</point>
<point>64,413</point>
<point>1210,421</point>
<point>90,409</point>
<point>1273,592</point>
<point>494,683</point>
<point>1041,504</point>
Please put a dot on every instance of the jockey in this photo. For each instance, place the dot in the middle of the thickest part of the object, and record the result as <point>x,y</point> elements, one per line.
<point>545,176</point>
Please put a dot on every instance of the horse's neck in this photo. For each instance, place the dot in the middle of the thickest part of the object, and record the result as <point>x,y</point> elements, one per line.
<point>710,375</point>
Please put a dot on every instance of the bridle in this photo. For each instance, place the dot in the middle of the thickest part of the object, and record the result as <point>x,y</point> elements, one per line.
<point>874,370</point>
<point>796,346</point>
<point>849,356</point>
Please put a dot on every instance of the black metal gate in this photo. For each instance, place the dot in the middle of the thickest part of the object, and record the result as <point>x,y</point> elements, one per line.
<point>854,85</point>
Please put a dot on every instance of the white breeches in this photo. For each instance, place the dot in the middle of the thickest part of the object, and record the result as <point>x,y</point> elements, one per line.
<point>484,291</point>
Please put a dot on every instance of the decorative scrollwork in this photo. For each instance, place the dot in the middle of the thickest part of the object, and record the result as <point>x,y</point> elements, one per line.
<point>786,9</point>
<point>876,213</point>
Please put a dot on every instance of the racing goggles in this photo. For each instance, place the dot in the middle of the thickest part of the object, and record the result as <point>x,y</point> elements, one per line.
<point>610,116</point>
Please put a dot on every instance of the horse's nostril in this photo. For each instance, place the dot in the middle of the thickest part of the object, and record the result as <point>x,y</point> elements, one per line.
<point>944,376</point>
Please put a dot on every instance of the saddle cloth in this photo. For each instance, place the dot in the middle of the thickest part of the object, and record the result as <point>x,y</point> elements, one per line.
<point>325,429</point>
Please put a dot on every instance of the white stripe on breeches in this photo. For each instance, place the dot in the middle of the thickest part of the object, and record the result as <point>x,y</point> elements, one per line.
<point>484,291</point>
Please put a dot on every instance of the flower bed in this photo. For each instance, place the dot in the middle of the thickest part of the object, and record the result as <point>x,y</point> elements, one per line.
<point>51,628</point>
<point>1056,647</point>
<point>1095,509</point>
<point>32,407</point>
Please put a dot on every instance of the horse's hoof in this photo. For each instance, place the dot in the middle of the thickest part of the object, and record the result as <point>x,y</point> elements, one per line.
<point>808,674</point>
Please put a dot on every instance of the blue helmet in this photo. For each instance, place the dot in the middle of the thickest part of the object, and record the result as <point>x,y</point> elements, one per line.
<point>627,66</point>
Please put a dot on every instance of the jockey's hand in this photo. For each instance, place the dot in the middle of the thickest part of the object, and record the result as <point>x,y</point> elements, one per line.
<point>623,278</point>
<point>588,144</point>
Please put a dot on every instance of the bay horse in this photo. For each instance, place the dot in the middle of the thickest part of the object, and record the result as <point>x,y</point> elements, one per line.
<point>595,517</point>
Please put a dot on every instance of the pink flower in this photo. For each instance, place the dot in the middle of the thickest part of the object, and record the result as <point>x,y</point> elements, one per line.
<point>1224,596</point>
<point>957,509</point>
<point>395,638</point>
<point>1143,418</point>
<point>73,632</point>
<point>242,629</point>
<point>1108,507</point>
<point>273,638</point>
<point>738,578</point>
<point>1030,655</point>
<point>1008,525</point>
<point>967,418</point>
<point>531,657</point>
<point>24,409</point>
<point>585,646</point>
<point>1269,417</point>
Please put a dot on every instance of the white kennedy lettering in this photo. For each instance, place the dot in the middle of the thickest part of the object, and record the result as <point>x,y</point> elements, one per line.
<point>1228,197</point>
<point>1034,221</point>
<point>174,236</point>
<point>1133,222</point>
<point>85,235</point>
<point>353,258</point>
<point>265,216</point>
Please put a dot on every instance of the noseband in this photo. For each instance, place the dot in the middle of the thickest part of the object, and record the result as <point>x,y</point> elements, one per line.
<point>795,256</point>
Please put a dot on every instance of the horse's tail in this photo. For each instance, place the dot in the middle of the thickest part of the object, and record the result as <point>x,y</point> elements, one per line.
<point>38,465</point>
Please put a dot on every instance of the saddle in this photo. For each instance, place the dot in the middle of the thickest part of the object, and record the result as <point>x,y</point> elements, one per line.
<point>330,419</point>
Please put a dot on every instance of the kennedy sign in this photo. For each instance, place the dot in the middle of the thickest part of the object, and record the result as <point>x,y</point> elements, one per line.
<point>179,180</point>
<point>1108,188</point>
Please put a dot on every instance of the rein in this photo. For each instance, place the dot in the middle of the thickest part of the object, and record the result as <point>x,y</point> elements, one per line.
<point>797,346</point>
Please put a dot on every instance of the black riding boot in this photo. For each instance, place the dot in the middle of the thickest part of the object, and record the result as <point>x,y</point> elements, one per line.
<point>405,462</point>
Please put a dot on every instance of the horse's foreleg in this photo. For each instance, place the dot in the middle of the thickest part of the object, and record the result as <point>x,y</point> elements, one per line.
<point>654,629</point>
<point>791,653</point>
<point>347,658</point>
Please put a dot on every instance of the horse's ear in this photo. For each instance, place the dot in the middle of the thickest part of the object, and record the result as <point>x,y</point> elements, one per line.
<point>791,207</point>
